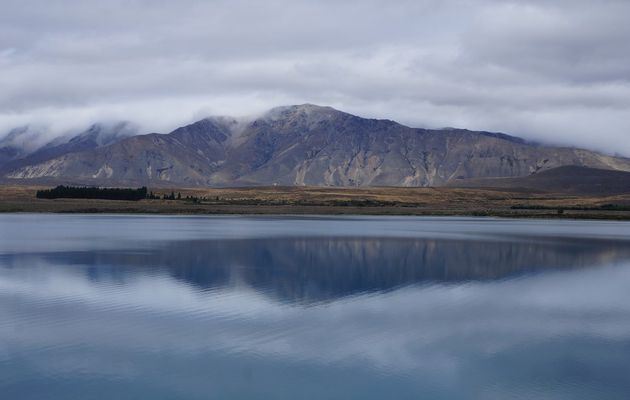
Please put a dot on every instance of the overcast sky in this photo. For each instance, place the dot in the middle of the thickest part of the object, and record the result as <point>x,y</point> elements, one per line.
<point>554,71</point>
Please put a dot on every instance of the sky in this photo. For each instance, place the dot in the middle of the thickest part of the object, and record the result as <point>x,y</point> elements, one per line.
<point>555,71</point>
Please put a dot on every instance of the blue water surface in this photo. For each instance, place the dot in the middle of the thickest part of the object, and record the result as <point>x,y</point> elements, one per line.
<point>161,307</point>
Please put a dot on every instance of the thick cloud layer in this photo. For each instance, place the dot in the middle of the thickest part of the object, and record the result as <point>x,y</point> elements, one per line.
<point>554,71</point>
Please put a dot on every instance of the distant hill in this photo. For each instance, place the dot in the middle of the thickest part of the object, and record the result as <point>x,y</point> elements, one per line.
<point>305,145</point>
<point>567,179</point>
<point>18,143</point>
<point>97,135</point>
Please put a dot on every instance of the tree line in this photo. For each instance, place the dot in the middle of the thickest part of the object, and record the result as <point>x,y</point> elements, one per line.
<point>85,192</point>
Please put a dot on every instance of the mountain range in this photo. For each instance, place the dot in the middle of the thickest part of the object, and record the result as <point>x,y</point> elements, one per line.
<point>292,145</point>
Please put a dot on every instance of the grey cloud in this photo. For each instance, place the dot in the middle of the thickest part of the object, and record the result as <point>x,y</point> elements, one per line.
<point>556,71</point>
<point>584,44</point>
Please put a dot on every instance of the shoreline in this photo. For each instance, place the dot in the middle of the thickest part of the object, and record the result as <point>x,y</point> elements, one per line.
<point>89,208</point>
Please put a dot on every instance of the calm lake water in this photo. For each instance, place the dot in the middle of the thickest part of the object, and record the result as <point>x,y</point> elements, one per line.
<point>152,307</point>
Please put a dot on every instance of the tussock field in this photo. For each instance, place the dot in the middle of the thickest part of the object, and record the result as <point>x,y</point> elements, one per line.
<point>319,200</point>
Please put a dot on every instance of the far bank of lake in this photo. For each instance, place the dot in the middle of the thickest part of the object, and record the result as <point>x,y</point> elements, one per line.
<point>334,201</point>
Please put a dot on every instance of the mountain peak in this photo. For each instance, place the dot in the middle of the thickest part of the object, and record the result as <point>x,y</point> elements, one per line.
<point>303,110</point>
<point>306,107</point>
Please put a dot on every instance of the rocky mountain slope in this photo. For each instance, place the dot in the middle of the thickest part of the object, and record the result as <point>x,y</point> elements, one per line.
<point>307,145</point>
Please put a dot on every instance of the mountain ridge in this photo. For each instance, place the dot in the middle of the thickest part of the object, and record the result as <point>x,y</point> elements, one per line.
<point>308,145</point>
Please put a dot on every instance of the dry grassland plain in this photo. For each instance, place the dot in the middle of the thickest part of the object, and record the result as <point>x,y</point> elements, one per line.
<point>335,201</point>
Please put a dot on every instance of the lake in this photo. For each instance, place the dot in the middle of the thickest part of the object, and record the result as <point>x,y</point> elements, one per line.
<point>174,307</point>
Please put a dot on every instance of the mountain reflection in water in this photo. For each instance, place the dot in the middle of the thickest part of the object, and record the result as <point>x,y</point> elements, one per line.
<point>316,269</point>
